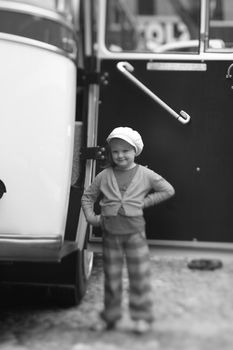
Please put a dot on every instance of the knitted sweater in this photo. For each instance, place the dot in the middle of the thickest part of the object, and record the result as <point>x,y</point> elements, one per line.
<point>135,199</point>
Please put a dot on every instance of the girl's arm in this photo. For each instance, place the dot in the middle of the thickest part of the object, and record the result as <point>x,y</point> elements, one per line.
<point>88,200</point>
<point>163,190</point>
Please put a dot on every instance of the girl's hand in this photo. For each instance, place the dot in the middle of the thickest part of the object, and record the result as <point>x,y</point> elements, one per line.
<point>94,220</point>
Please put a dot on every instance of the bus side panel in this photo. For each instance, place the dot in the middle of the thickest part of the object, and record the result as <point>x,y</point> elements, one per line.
<point>37,114</point>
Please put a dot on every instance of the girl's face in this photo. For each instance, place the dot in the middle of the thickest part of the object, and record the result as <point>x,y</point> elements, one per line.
<point>123,153</point>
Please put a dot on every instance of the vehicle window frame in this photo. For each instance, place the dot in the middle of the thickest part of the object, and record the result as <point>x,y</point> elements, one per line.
<point>41,14</point>
<point>204,51</point>
<point>104,48</point>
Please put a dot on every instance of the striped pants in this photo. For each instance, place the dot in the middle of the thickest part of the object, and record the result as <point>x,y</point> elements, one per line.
<point>134,249</point>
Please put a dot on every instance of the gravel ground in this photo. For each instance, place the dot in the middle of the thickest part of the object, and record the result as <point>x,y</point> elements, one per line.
<point>193,310</point>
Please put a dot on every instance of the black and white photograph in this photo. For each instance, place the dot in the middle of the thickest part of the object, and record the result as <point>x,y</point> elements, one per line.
<point>116,174</point>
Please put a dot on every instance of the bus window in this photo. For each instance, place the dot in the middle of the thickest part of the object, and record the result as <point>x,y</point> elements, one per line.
<point>153,26</point>
<point>65,7</point>
<point>49,27</point>
<point>221,26</point>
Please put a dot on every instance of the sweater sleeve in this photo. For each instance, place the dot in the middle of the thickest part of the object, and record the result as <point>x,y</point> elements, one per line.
<point>162,190</point>
<point>88,200</point>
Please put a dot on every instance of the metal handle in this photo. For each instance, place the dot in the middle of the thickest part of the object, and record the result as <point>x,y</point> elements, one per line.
<point>229,76</point>
<point>126,68</point>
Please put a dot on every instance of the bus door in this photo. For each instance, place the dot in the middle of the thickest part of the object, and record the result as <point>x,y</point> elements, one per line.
<point>167,68</point>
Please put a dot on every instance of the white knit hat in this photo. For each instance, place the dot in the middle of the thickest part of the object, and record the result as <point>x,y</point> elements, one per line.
<point>129,135</point>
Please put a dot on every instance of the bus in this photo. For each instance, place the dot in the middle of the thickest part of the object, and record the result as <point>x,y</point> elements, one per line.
<point>71,71</point>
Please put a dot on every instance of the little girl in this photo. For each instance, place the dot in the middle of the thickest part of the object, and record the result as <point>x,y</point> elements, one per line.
<point>126,190</point>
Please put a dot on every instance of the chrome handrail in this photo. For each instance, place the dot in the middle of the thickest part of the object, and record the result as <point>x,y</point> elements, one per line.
<point>126,68</point>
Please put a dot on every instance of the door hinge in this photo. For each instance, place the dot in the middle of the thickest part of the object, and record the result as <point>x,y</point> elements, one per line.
<point>97,153</point>
<point>87,78</point>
